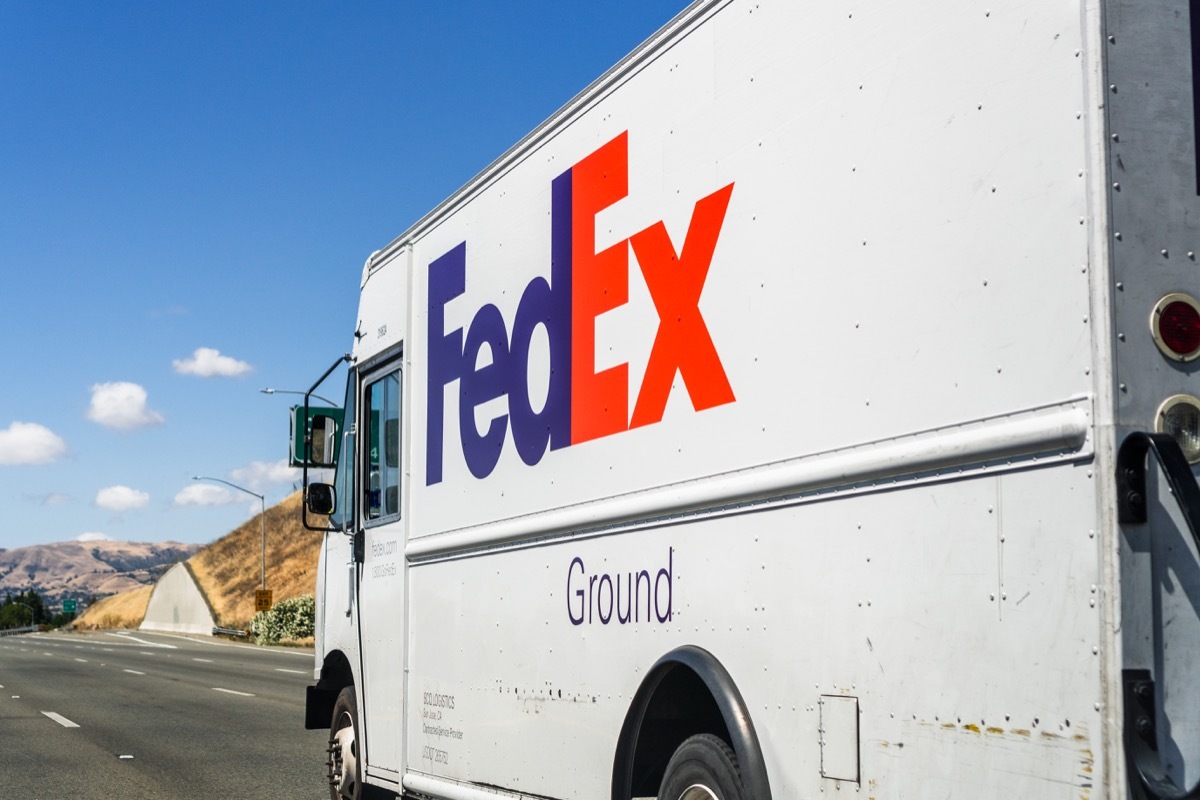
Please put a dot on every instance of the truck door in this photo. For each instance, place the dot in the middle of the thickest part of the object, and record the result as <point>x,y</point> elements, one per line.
<point>381,574</point>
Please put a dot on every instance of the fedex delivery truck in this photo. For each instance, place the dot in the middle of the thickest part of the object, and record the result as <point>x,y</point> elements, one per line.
<point>806,409</point>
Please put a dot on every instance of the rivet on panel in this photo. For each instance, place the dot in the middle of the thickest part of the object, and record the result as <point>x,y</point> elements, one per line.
<point>1116,187</point>
<point>1112,39</point>
<point>1120,286</point>
<point>1164,252</point>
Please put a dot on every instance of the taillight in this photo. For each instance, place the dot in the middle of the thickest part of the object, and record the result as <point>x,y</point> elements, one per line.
<point>1179,416</point>
<point>1175,325</point>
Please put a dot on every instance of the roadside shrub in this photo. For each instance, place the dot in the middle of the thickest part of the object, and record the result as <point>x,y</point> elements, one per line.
<point>288,619</point>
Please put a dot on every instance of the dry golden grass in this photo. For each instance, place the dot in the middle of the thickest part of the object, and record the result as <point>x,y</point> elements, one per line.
<point>124,610</point>
<point>228,570</point>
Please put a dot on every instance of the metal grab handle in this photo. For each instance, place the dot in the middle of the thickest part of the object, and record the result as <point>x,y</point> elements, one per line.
<point>1141,738</point>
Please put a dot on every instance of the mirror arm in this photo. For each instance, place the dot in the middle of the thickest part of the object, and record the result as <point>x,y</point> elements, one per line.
<point>308,442</point>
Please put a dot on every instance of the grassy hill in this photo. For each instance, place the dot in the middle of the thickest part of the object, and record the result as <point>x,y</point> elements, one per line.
<point>78,570</point>
<point>228,571</point>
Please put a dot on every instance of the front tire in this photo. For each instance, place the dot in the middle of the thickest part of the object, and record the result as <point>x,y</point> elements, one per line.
<point>703,768</point>
<point>345,772</point>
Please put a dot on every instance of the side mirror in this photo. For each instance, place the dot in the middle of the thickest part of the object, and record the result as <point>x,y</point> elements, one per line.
<point>324,441</point>
<point>320,498</point>
<point>315,437</point>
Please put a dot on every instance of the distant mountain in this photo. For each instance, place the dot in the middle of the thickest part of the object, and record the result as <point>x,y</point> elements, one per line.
<point>79,570</point>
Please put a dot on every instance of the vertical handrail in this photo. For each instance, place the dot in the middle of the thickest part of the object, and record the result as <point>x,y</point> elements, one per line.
<point>1141,738</point>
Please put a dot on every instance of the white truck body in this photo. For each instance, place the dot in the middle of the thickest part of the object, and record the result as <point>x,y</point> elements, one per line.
<point>773,388</point>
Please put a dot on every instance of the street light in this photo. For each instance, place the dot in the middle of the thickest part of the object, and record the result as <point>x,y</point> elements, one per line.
<point>292,391</point>
<point>262,519</point>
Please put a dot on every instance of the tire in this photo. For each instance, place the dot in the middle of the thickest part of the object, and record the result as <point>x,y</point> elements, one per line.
<point>703,768</point>
<point>344,768</point>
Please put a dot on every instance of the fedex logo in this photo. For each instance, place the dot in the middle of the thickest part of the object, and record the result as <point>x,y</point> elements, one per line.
<point>581,403</point>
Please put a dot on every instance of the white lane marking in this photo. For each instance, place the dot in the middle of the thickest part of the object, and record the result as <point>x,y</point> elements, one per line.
<point>47,654</point>
<point>60,719</point>
<point>231,691</point>
<point>125,637</point>
<point>303,653</point>
<point>82,660</point>
<point>124,756</point>
<point>203,660</point>
<point>133,672</point>
<point>292,671</point>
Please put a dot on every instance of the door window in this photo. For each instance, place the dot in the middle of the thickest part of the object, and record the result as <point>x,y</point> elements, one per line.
<point>381,402</point>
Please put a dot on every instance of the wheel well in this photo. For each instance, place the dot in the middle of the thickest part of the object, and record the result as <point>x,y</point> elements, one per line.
<point>687,692</point>
<point>335,672</point>
<point>320,698</point>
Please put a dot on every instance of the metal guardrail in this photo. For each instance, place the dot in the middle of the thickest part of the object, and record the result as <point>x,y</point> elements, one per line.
<point>230,632</point>
<point>15,631</point>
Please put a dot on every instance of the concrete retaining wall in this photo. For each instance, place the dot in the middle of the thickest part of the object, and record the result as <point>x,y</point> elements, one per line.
<point>177,604</point>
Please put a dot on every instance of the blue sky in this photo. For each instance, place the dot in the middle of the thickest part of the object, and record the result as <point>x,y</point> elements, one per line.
<point>187,193</point>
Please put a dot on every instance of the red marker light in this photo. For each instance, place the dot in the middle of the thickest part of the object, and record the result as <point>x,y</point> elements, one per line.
<point>1175,325</point>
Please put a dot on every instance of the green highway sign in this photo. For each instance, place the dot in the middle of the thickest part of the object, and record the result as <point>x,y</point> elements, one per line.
<point>69,606</point>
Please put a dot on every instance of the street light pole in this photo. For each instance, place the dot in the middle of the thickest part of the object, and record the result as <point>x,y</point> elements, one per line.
<point>262,518</point>
<point>292,391</point>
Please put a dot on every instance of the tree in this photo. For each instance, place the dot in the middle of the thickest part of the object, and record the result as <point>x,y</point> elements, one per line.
<point>27,608</point>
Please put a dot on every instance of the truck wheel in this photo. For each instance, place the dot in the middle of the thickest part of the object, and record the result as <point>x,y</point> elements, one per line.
<point>344,771</point>
<point>703,768</point>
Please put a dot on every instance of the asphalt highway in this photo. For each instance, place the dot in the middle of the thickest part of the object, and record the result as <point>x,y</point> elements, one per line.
<point>145,715</point>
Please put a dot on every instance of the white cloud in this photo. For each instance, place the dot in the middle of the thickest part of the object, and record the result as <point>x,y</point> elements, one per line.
<point>29,443</point>
<point>121,498</point>
<point>204,494</point>
<point>93,537</point>
<point>121,405</point>
<point>207,363</point>
<point>258,475</point>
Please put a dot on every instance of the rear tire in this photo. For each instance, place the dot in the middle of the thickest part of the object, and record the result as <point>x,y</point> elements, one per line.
<point>703,768</point>
<point>345,771</point>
